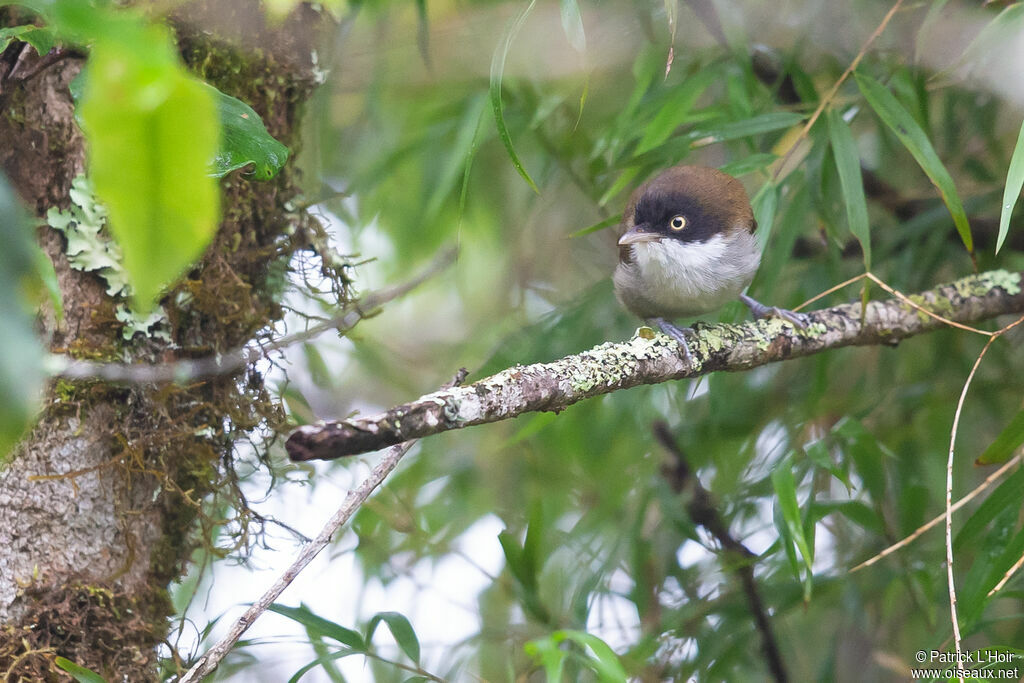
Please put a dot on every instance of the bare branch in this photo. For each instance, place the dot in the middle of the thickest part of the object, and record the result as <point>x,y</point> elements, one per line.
<point>703,511</point>
<point>650,358</point>
<point>236,359</point>
<point>356,497</point>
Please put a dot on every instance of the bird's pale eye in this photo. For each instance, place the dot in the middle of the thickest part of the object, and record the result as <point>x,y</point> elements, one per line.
<point>677,223</point>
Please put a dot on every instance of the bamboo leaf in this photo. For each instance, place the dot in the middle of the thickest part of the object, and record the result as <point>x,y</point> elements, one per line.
<point>844,150</point>
<point>1011,193</point>
<point>903,125</point>
<point>497,71</point>
<point>572,24</point>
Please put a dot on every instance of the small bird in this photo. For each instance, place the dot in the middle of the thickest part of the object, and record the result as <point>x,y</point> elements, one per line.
<point>687,247</point>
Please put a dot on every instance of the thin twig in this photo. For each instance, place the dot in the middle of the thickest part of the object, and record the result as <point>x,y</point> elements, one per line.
<point>913,304</point>
<point>978,490</point>
<point>234,360</point>
<point>949,489</point>
<point>835,87</point>
<point>355,498</point>
<point>702,510</point>
<point>1006,577</point>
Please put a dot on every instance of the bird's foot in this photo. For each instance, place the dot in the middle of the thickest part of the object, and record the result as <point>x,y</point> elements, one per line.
<point>677,333</point>
<point>759,310</point>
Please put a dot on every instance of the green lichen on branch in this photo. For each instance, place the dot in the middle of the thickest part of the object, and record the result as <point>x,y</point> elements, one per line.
<point>649,359</point>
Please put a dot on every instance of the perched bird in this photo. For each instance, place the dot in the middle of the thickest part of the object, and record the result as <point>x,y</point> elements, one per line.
<point>687,247</point>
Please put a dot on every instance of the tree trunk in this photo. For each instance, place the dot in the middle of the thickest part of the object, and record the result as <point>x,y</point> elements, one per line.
<point>101,502</point>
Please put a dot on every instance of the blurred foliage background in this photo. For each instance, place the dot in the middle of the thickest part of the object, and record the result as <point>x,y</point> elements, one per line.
<point>408,152</point>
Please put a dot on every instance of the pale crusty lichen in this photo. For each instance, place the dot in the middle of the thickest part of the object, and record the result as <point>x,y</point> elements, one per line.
<point>91,249</point>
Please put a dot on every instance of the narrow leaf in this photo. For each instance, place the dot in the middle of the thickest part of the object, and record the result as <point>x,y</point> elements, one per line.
<point>572,24</point>
<point>497,71</point>
<point>1006,443</point>
<point>844,149</point>
<point>785,492</point>
<point>1011,193</point>
<point>402,631</point>
<point>596,227</point>
<point>674,111</point>
<point>319,625</point>
<point>78,672</point>
<point>604,660</point>
<point>903,125</point>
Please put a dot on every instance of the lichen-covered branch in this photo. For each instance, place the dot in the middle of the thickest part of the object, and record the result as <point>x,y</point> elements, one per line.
<point>650,358</point>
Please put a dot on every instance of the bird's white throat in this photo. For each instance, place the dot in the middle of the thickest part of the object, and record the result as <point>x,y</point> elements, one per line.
<point>670,278</point>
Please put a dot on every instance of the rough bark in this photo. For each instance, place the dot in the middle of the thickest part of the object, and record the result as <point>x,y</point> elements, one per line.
<point>650,358</point>
<point>99,503</point>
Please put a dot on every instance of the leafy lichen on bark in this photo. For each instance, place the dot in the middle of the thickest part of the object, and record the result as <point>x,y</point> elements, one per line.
<point>104,496</point>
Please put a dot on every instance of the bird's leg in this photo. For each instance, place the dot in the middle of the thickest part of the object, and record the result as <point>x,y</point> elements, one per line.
<point>761,311</point>
<point>677,333</point>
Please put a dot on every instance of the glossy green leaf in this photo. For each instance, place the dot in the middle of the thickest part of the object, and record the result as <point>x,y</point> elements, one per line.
<point>1011,193</point>
<point>903,125</point>
<point>572,24</point>
<point>152,130</point>
<point>401,629</point>
<point>78,672</point>
<point>41,38</point>
<point>1008,441</point>
<point>320,626</point>
<point>847,159</point>
<point>21,374</point>
<point>497,71</point>
<point>244,140</point>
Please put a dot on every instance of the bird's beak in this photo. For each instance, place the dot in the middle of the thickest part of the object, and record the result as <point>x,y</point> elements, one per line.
<point>638,234</point>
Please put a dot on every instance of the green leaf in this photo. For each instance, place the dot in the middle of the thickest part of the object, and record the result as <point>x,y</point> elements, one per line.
<point>748,127</point>
<point>1006,443</point>
<point>497,71</point>
<point>604,661</point>
<point>244,140</point>
<point>674,111</point>
<point>323,661</point>
<point>903,125</point>
<point>572,24</point>
<point>79,673</point>
<point>41,38</point>
<point>402,631</point>
<point>1011,193</point>
<point>320,626</point>
<point>1005,496</point>
<point>765,203</point>
<point>152,130</point>
<point>21,374</point>
<point>785,492</point>
<point>844,149</point>
<point>596,227</point>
